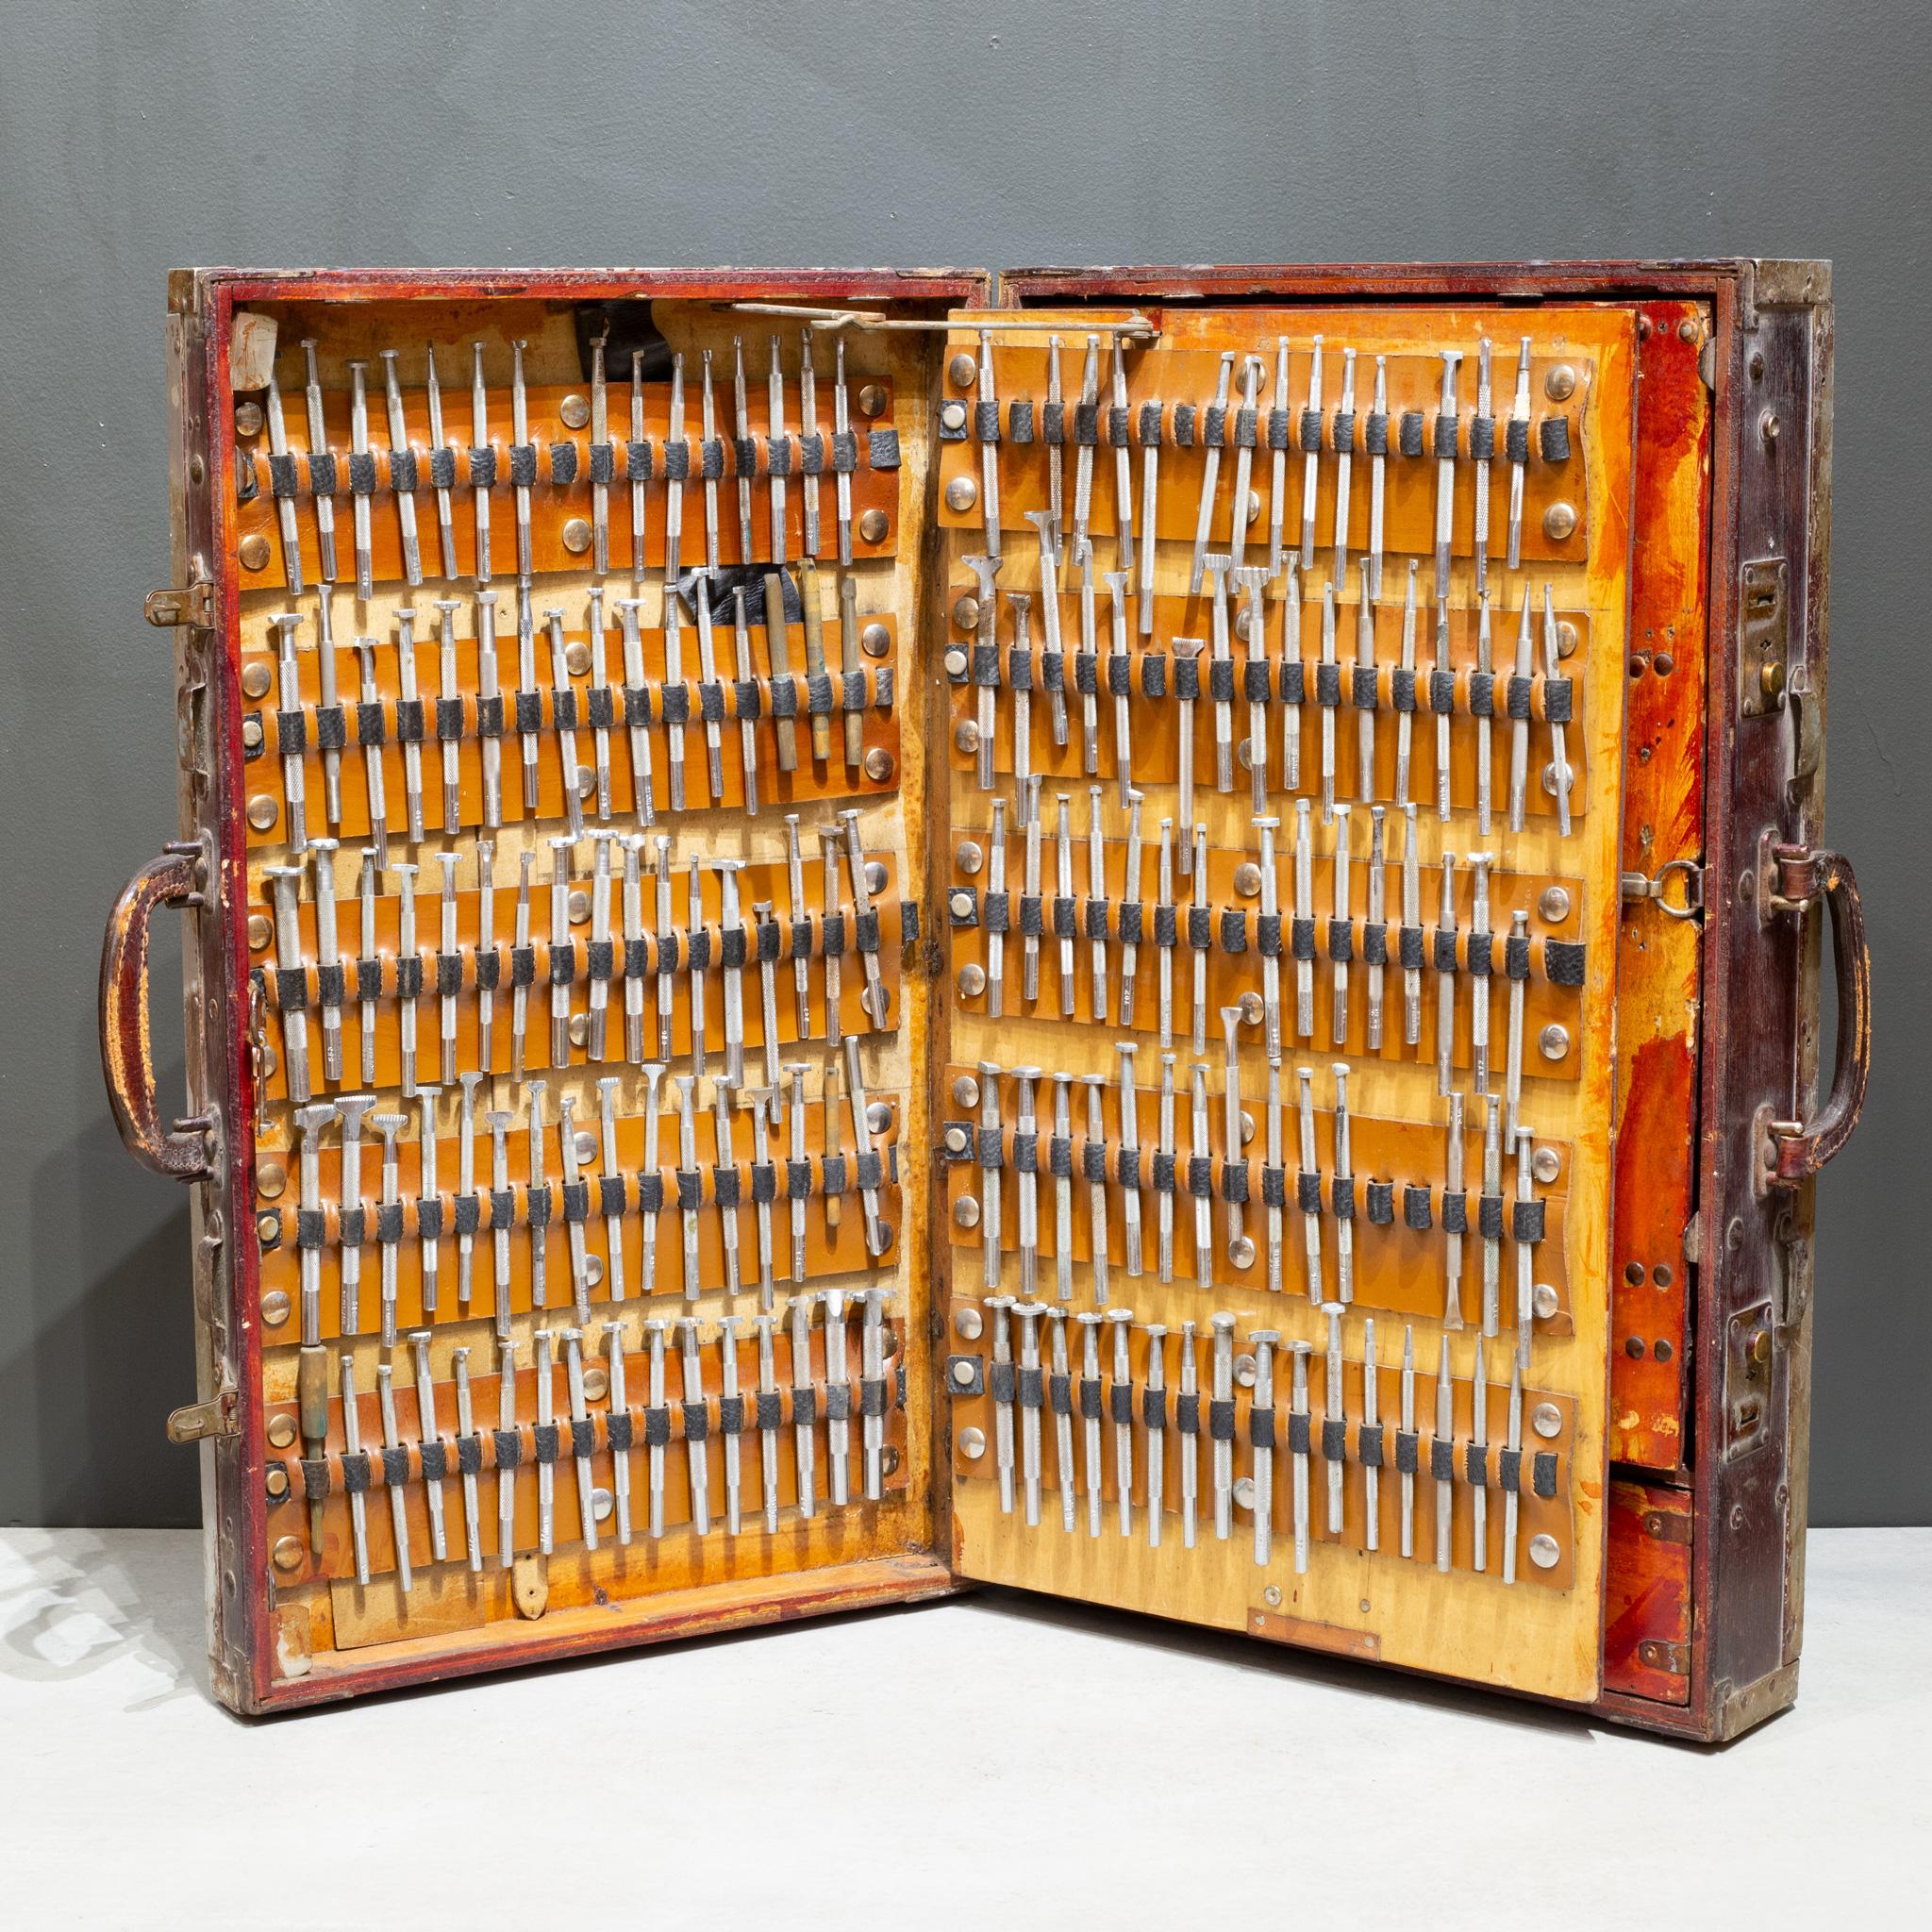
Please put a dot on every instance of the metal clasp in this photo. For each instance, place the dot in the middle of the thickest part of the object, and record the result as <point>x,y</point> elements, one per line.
<point>1636,884</point>
<point>218,1416</point>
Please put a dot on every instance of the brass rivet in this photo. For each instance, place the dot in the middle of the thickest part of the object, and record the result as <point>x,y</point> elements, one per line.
<point>963,371</point>
<point>972,1444</point>
<point>271,1177</point>
<point>260,930</point>
<point>255,679</point>
<point>254,551</point>
<point>1554,903</point>
<point>1543,1551</point>
<point>1566,638</point>
<point>953,415</point>
<point>281,1431</point>
<point>970,1324</point>
<point>1545,1163</point>
<point>1550,778</point>
<point>971,980</point>
<point>1553,1042</point>
<point>966,613</point>
<point>960,904</point>
<point>872,526</point>
<point>576,536</point>
<point>872,401</point>
<point>1546,1419</point>
<point>1544,1300</point>
<point>277,1482</point>
<point>962,493</point>
<point>966,1211</point>
<point>261,811</point>
<point>576,657</point>
<point>1251,1008</point>
<point>268,1227</point>
<point>1559,522</point>
<point>954,663</point>
<point>1661,1274</point>
<point>247,419</point>
<point>275,1308</point>
<point>966,737</point>
<point>958,1143</point>
<point>878,764</point>
<point>1559,385</point>
<point>1687,330</point>
<point>197,470</point>
<point>251,733</point>
<point>969,857</point>
<point>574,411</point>
<point>875,640</point>
<point>964,1373</point>
<point>966,1091</point>
<point>579,905</point>
<point>878,1117</point>
<point>579,1028</point>
<point>596,1381</point>
<point>286,1556</point>
<point>1247,879</point>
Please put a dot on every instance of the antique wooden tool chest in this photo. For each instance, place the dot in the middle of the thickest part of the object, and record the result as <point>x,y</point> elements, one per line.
<point>1153,935</point>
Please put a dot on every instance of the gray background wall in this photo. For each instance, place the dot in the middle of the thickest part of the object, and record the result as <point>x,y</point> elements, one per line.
<point>135,137</point>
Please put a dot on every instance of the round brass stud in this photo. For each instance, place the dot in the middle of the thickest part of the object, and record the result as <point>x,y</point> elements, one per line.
<point>268,1227</point>
<point>596,1381</point>
<point>287,1554</point>
<point>966,737</point>
<point>262,811</point>
<point>281,1431</point>
<point>260,930</point>
<point>579,1028</point>
<point>275,1308</point>
<point>252,735</point>
<point>1543,1551</point>
<point>579,906</point>
<point>276,1483</point>
<point>963,1375</point>
<point>271,1177</point>
<point>1244,1493</point>
<point>1559,385</point>
<point>594,1270</point>
<point>1554,903</point>
<point>879,764</point>
<point>972,1444</point>
<point>962,493</point>
<point>248,419</point>
<point>963,371</point>
<point>1559,522</point>
<point>953,416</point>
<point>966,613</point>
<point>587,1148</point>
<point>875,640</point>
<point>969,858</point>
<point>872,526</point>
<point>1247,879</point>
<point>1553,1042</point>
<point>971,980</point>
<point>1546,1163</point>
<point>960,904</point>
<point>1544,1300</point>
<point>255,679</point>
<point>574,411</point>
<point>1566,638</point>
<point>871,402</point>
<point>966,1091</point>
<point>576,536</point>
<point>966,1211</point>
<point>254,551</point>
<point>576,657</point>
<point>1546,1420</point>
<point>958,1143</point>
<point>970,1324</point>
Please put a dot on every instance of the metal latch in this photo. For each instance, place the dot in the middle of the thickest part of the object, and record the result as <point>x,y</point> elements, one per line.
<point>1764,637</point>
<point>218,1416</point>
<point>195,606</point>
<point>1636,884</point>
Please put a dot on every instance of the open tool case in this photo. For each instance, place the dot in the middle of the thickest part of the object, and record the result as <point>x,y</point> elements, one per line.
<point>668,851</point>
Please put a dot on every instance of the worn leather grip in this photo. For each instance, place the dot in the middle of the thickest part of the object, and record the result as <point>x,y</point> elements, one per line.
<point>178,877</point>
<point>1827,875</point>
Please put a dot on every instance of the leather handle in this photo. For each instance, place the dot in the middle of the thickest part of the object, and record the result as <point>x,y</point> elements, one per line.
<point>1803,1150</point>
<point>178,877</point>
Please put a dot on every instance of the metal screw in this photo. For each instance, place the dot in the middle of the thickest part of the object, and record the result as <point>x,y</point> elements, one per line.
<point>1247,879</point>
<point>966,1211</point>
<point>1546,1419</point>
<point>875,640</point>
<point>963,371</point>
<point>969,857</point>
<point>575,410</point>
<point>261,811</point>
<point>878,764</point>
<point>1559,522</point>
<point>1554,1041</point>
<point>1555,904</point>
<point>281,1431</point>
<point>271,1177</point>
<point>972,1444</point>
<point>247,419</point>
<point>872,526</point>
<point>953,415</point>
<point>966,1091</point>
<point>962,493</point>
<point>255,679</point>
<point>1545,1164</point>
<point>259,931</point>
<point>275,1308</point>
<point>966,613</point>
<point>1687,330</point>
<point>1559,385</point>
<point>287,1554</point>
<point>576,536</point>
<point>971,980</point>
<point>254,551</point>
<point>1543,1551</point>
<point>872,401</point>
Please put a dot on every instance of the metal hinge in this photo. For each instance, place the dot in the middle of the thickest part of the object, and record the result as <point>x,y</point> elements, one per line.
<point>195,606</point>
<point>1636,884</point>
<point>218,1416</point>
